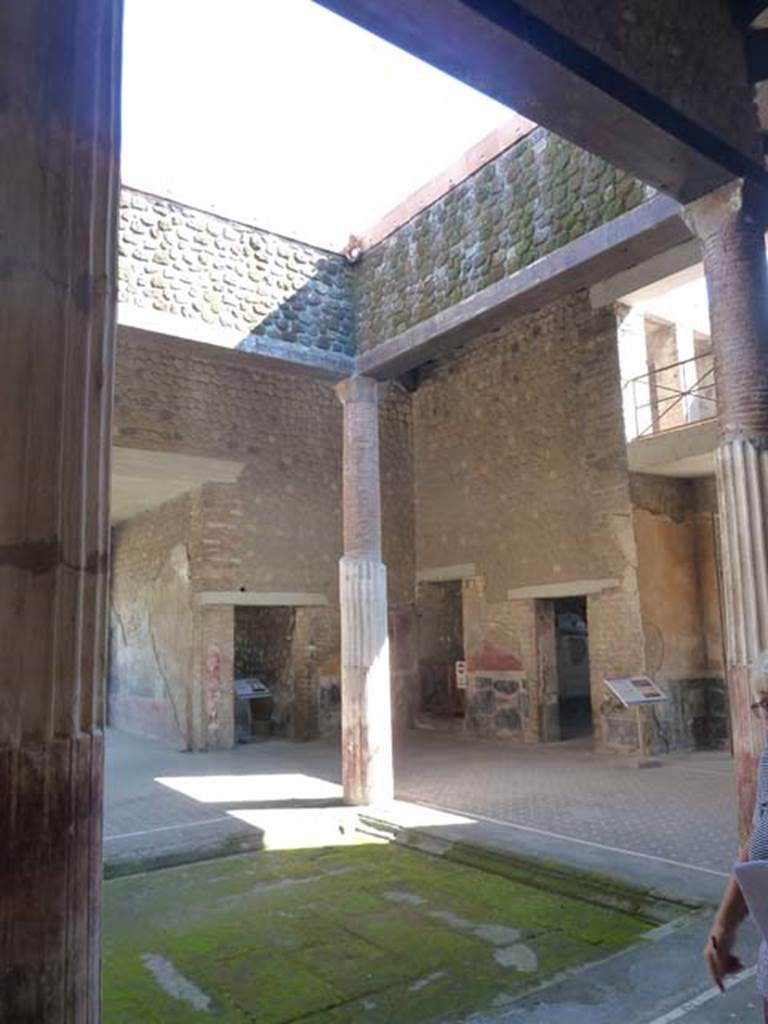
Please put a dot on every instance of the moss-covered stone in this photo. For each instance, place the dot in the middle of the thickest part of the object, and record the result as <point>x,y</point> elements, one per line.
<point>371,932</point>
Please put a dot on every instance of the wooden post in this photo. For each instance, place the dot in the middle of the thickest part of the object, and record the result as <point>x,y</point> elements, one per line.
<point>365,679</point>
<point>59,135</point>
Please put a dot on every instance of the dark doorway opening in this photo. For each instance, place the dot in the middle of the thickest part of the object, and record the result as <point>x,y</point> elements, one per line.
<point>263,646</point>
<point>441,645</point>
<point>573,676</point>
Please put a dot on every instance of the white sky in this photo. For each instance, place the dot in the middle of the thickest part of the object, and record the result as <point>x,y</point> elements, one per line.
<point>680,298</point>
<point>281,114</point>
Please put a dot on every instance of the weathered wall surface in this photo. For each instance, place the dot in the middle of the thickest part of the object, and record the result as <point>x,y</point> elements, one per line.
<point>278,528</point>
<point>689,54</point>
<point>263,643</point>
<point>505,453</point>
<point>668,575</point>
<point>503,680</point>
<point>180,260</point>
<point>523,475</point>
<point>705,505</point>
<point>533,198</point>
<point>679,600</point>
<point>152,614</point>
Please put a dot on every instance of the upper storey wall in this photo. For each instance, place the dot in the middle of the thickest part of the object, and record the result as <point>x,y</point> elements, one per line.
<point>189,263</point>
<point>534,197</point>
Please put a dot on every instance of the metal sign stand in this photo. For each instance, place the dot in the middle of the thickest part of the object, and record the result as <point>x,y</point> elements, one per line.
<point>634,692</point>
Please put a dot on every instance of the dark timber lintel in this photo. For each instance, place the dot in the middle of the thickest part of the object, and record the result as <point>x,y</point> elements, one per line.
<point>505,51</point>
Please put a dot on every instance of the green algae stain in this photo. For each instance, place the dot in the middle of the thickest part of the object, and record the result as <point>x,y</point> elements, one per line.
<point>370,933</point>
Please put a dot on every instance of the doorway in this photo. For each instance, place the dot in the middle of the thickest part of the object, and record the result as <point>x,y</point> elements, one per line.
<point>573,675</point>
<point>441,645</point>
<point>262,669</point>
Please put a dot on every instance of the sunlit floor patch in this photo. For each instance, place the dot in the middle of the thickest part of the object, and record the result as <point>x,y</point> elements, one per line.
<point>341,935</point>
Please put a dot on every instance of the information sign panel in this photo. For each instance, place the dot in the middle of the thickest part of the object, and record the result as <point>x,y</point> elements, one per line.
<point>632,690</point>
<point>461,675</point>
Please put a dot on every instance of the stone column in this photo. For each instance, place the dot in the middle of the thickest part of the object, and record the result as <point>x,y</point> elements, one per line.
<point>59,134</point>
<point>731,225</point>
<point>366,716</point>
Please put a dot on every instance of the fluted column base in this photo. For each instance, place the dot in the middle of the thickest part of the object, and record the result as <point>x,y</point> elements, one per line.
<point>366,716</point>
<point>50,875</point>
<point>742,478</point>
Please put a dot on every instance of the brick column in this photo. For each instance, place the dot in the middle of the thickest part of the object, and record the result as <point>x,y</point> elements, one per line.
<point>366,716</point>
<point>59,129</point>
<point>730,225</point>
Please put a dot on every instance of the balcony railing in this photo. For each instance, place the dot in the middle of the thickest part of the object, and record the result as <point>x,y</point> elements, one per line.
<point>671,396</point>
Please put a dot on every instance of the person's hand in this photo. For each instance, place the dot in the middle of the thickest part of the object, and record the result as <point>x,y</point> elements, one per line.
<point>719,956</point>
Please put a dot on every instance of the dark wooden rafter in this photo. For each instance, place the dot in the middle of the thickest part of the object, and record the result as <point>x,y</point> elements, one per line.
<point>756,43</point>
<point>746,11</point>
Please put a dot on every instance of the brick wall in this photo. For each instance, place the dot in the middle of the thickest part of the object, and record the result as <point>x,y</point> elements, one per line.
<point>523,475</point>
<point>505,453</point>
<point>533,198</point>
<point>193,264</point>
<point>278,528</point>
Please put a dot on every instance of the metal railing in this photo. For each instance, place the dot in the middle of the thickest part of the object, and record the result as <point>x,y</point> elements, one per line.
<point>673,396</point>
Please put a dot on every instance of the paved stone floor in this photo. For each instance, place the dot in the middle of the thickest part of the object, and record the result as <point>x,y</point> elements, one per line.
<point>671,827</point>
<point>681,812</point>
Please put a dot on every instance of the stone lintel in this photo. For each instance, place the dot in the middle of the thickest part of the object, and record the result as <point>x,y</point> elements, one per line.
<point>447,573</point>
<point>258,599</point>
<point>638,235</point>
<point>683,261</point>
<point>510,52</point>
<point>568,588</point>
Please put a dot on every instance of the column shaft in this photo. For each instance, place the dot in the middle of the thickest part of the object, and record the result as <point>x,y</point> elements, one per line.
<point>59,126</point>
<point>730,224</point>
<point>365,675</point>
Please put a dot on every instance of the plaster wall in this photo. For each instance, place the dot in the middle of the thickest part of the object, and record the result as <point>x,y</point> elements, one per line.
<point>679,599</point>
<point>152,612</point>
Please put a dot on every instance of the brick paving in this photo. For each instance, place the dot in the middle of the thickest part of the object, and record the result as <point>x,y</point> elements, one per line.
<point>683,810</point>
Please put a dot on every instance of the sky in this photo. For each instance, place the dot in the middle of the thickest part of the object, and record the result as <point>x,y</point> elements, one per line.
<point>283,115</point>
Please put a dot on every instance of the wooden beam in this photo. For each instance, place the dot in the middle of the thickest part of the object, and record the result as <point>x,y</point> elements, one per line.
<point>508,53</point>
<point>757,54</point>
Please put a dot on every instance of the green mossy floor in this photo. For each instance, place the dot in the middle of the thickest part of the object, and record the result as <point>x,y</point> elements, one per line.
<point>370,933</point>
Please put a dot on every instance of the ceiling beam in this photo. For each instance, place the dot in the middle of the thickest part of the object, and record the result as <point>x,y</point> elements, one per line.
<point>506,52</point>
<point>757,54</point>
<point>746,11</point>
